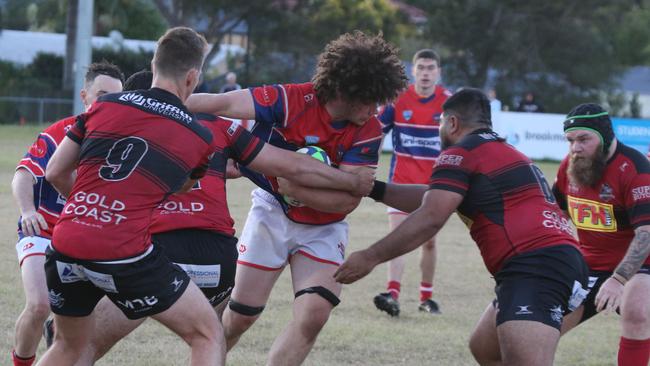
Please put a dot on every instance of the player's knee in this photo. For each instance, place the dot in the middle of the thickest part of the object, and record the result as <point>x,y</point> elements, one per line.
<point>242,315</point>
<point>636,316</point>
<point>38,311</point>
<point>314,313</point>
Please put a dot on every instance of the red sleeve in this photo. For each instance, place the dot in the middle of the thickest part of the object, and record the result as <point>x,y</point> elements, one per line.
<point>637,197</point>
<point>561,184</point>
<point>453,171</point>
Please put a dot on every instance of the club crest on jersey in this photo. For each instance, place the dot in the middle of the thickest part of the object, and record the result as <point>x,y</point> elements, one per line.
<point>436,117</point>
<point>309,98</point>
<point>606,192</point>
<point>311,140</point>
<point>591,215</point>
<point>407,114</point>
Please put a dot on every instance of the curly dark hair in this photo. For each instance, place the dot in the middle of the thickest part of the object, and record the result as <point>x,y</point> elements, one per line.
<point>359,69</point>
<point>103,68</point>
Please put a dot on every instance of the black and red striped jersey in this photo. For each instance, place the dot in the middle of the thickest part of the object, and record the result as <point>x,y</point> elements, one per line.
<point>136,148</point>
<point>205,207</point>
<point>607,213</point>
<point>507,203</point>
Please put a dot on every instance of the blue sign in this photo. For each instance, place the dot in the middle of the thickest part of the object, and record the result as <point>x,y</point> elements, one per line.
<point>633,132</point>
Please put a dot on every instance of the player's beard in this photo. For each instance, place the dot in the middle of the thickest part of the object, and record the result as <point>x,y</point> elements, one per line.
<point>587,171</point>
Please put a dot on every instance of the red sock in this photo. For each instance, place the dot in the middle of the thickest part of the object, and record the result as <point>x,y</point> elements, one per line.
<point>426,290</point>
<point>20,361</point>
<point>633,352</point>
<point>394,288</point>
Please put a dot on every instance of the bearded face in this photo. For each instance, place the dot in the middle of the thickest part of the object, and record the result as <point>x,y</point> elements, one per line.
<point>587,170</point>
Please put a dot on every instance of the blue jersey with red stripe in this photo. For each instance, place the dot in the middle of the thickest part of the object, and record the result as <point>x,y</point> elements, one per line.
<point>47,200</point>
<point>415,123</point>
<point>290,116</point>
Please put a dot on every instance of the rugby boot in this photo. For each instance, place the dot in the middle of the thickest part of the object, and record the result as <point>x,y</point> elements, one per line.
<point>429,306</point>
<point>385,302</point>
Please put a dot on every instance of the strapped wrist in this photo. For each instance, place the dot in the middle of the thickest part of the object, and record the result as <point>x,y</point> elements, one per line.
<point>622,280</point>
<point>378,190</point>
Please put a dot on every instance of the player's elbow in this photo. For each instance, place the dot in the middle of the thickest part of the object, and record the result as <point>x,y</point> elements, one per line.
<point>347,206</point>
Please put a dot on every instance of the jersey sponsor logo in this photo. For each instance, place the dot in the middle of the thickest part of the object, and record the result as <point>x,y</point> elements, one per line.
<point>101,280</point>
<point>176,283</point>
<point>95,206</point>
<point>170,207</point>
<point>591,215</point>
<point>38,148</point>
<point>523,310</point>
<point>311,140</point>
<point>446,159</point>
<point>641,193</point>
<point>606,192</point>
<point>156,106</point>
<point>416,141</point>
<point>407,114</point>
<point>203,275</point>
<point>56,300</point>
<point>265,96</point>
<point>140,304</point>
<point>554,220</point>
<point>69,273</point>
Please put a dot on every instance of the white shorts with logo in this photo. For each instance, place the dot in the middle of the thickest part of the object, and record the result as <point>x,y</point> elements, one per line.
<point>31,245</point>
<point>269,238</point>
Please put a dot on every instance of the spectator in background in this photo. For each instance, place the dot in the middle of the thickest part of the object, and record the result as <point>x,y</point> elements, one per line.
<point>231,83</point>
<point>495,104</point>
<point>530,104</point>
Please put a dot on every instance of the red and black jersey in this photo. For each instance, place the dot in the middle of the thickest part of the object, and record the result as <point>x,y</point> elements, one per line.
<point>205,207</point>
<point>508,205</point>
<point>290,116</point>
<point>607,214</point>
<point>47,201</point>
<point>137,147</point>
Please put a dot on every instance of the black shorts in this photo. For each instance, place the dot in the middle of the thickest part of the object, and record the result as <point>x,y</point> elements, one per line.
<point>541,285</point>
<point>142,286</point>
<point>596,279</point>
<point>208,257</point>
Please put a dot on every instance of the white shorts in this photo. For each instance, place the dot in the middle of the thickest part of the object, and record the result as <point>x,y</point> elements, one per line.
<point>394,211</point>
<point>31,245</point>
<point>269,238</point>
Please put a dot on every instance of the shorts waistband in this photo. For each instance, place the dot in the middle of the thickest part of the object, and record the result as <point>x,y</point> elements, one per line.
<point>128,260</point>
<point>266,197</point>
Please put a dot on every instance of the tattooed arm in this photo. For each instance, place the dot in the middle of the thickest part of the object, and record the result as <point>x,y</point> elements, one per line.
<point>610,293</point>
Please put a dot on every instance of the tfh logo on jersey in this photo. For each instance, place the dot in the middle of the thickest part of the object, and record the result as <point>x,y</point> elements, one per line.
<point>591,215</point>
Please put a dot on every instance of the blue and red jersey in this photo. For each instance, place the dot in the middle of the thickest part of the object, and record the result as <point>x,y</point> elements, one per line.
<point>507,204</point>
<point>47,201</point>
<point>607,214</point>
<point>415,122</point>
<point>136,148</point>
<point>290,116</point>
<point>205,207</point>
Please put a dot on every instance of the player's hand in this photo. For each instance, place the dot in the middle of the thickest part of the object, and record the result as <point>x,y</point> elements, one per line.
<point>609,296</point>
<point>366,182</point>
<point>357,266</point>
<point>232,170</point>
<point>284,186</point>
<point>32,222</point>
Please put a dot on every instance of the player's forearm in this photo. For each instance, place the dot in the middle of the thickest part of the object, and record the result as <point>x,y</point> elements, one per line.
<point>236,104</point>
<point>22,188</point>
<point>635,256</point>
<point>312,173</point>
<point>404,197</point>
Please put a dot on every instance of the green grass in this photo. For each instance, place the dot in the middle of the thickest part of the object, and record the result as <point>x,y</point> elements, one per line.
<point>357,334</point>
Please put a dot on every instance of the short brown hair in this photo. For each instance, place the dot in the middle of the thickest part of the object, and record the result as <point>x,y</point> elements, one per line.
<point>179,50</point>
<point>427,53</point>
<point>359,69</point>
<point>103,68</point>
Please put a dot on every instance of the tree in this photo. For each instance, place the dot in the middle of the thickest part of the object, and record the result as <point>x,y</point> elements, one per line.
<point>555,47</point>
<point>215,19</point>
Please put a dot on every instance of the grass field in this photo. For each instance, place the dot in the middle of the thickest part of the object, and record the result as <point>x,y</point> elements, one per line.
<point>357,334</point>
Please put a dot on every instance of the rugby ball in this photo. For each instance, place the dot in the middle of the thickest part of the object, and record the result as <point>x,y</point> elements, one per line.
<point>316,153</point>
